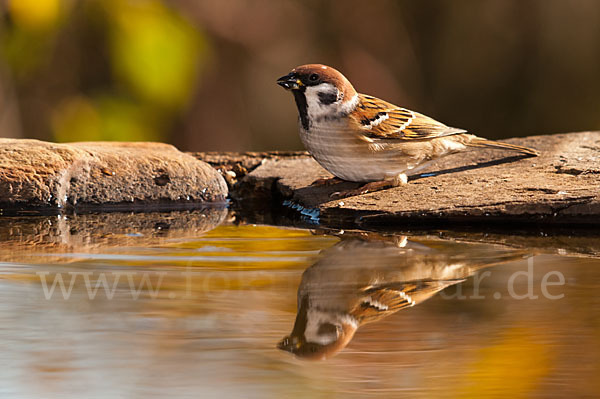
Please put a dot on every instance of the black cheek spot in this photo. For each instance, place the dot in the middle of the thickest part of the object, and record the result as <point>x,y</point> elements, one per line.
<point>327,329</point>
<point>327,98</point>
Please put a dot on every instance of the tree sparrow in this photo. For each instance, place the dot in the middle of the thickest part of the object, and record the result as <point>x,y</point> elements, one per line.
<point>361,138</point>
<point>357,282</point>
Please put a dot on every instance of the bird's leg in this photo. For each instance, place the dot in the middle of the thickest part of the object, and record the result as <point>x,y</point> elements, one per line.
<point>398,180</point>
<point>367,188</point>
<point>326,182</point>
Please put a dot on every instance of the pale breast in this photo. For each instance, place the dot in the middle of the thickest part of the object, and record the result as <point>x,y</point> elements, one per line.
<point>336,148</point>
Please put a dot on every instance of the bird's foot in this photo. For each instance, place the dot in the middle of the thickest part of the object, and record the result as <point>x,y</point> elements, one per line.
<point>326,182</point>
<point>371,187</point>
<point>367,188</point>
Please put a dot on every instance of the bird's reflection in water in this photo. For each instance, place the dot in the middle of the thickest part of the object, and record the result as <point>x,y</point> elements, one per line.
<point>364,279</point>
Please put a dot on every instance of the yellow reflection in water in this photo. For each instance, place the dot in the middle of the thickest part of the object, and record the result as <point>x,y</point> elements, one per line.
<point>512,367</point>
<point>215,330</point>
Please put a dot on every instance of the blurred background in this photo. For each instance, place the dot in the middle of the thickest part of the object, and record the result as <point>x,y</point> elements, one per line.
<point>201,73</point>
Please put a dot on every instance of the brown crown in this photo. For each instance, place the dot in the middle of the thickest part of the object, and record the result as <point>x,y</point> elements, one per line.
<point>328,75</point>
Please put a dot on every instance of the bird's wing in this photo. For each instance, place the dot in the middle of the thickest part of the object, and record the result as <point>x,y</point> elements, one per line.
<point>378,119</point>
<point>381,301</point>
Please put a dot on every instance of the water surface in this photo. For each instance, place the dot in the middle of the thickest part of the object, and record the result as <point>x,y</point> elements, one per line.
<point>188,304</point>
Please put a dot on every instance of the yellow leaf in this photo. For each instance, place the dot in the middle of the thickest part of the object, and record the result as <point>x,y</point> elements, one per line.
<point>35,14</point>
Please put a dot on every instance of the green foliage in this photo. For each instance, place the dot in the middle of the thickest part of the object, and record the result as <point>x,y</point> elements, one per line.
<point>154,51</point>
<point>150,56</point>
<point>104,118</point>
<point>27,45</point>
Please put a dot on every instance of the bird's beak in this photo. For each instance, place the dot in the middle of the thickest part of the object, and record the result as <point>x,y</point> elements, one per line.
<point>290,82</point>
<point>289,344</point>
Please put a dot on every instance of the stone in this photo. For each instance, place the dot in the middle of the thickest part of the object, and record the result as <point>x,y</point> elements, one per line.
<point>55,237</point>
<point>561,186</point>
<point>235,166</point>
<point>42,175</point>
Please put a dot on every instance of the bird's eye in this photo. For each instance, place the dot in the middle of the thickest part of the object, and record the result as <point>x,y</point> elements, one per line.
<point>313,77</point>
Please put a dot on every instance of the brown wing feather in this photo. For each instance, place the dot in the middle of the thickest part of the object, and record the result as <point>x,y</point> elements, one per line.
<point>382,301</point>
<point>378,119</point>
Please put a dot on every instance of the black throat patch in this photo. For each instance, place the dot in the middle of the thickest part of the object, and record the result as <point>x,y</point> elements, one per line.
<point>302,105</point>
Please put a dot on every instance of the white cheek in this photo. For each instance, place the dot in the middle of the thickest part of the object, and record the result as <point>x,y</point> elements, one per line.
<point>315,107</point>
<point>349,106</point>
<point>315,320</point>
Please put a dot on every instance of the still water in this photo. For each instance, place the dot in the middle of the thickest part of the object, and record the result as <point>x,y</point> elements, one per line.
<point>190,304</point>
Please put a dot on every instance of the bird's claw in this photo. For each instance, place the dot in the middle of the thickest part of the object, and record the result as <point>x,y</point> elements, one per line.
<point>326,182</point>
<point>347,193</point>
<point>365,189</point>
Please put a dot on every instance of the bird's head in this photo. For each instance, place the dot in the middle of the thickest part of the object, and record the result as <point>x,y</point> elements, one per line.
<point>319,91</point>
<point>318,334</point>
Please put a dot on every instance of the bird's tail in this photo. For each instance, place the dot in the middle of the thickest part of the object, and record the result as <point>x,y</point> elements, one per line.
<point>479,142</point>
